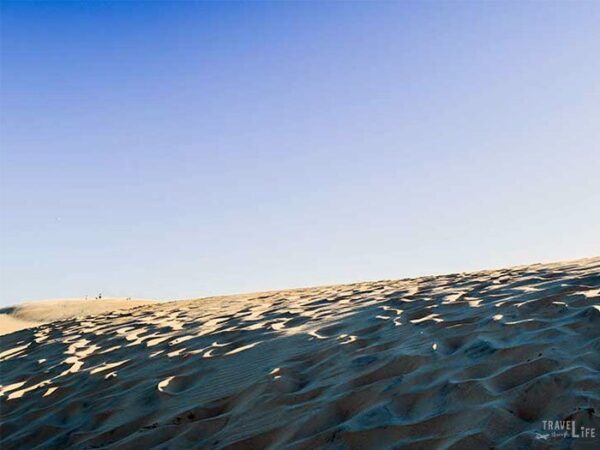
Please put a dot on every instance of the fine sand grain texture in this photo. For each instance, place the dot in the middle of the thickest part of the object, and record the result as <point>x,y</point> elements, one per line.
<point>461,361</point>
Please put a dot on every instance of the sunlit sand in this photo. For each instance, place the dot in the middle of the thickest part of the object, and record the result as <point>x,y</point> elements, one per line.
<point>461,361</point>
<point>31,314</point>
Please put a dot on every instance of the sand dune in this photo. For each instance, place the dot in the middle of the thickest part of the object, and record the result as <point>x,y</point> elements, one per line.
<point>32,314</point>
<point>10,324</point>
<point>462,361</point>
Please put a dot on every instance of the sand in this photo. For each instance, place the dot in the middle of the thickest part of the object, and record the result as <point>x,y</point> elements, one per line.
<point>32,314</point>
<point>461,361</point>
<point>10,324</point>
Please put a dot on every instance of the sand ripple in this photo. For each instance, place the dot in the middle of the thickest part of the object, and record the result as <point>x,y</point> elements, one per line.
<point>462,361</point>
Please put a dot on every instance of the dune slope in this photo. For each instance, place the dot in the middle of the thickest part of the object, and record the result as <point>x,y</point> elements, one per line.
<point>462,361</point>
<point>32,314</point>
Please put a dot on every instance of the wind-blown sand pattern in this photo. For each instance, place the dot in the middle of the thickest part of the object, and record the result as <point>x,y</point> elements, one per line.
<point>31,314</point>
<point>462,361</point>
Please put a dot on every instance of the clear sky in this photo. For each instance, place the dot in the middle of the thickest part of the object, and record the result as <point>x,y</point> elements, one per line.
<point>172,150</point>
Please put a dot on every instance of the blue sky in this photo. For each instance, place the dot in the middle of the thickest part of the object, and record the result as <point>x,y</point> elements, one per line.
<point>183,149</point>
